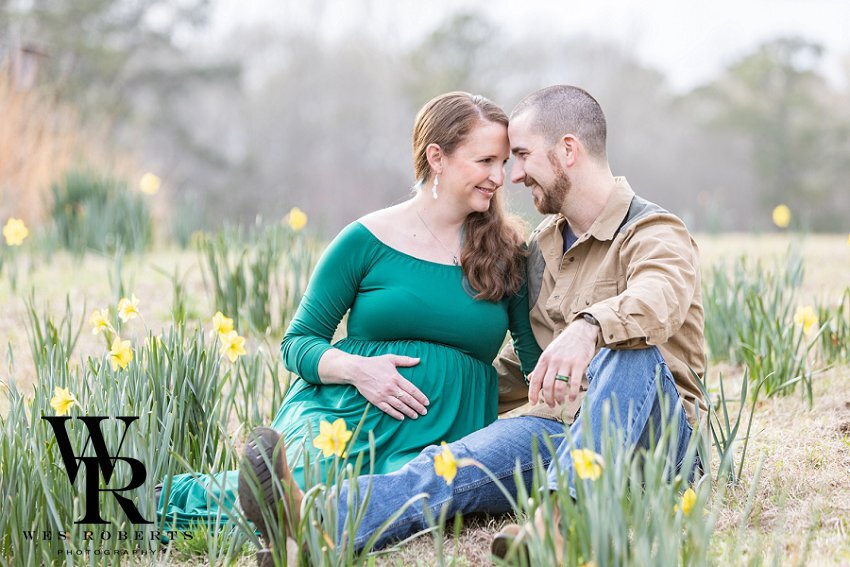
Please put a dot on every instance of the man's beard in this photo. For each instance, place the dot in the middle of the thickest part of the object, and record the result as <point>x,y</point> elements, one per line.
<point>553,197</point>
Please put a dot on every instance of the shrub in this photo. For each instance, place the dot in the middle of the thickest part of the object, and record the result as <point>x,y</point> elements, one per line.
<point>728,297</point>
<point>750,320</point>
<point>242,272</point>
<point>186,218</point>
<point>97,212</point>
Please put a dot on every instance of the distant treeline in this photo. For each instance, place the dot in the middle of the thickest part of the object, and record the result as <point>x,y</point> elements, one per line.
<point>272,119</point>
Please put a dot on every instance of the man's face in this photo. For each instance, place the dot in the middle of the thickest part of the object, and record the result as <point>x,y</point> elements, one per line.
<point>536,165</point>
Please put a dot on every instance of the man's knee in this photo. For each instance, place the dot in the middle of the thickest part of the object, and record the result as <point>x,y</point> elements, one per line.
<point>649,354</point>
<point>643,362</point>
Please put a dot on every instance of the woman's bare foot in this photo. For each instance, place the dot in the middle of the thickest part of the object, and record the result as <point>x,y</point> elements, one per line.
<point>259,491</point>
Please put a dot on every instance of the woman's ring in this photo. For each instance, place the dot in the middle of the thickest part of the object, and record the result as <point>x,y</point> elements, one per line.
<point>562,378</point>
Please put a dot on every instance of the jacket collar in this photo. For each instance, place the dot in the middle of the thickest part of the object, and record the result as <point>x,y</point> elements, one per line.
<point>603,228</point>
<point>609,220</point>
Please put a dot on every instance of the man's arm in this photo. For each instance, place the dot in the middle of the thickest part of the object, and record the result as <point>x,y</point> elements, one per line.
<point>662,276</point>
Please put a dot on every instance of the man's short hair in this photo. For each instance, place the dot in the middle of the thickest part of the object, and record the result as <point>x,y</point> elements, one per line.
<point>563,109</point>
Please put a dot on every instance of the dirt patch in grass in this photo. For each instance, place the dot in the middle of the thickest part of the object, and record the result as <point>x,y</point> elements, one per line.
<point>471,547</point>
<point>802,504</point>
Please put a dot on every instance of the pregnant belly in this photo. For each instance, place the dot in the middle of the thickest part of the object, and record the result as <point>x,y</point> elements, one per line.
<point>462,391</point>
<point>442,370</point>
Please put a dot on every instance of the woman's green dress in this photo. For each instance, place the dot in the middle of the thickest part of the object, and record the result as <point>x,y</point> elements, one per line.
<point>399,305</point>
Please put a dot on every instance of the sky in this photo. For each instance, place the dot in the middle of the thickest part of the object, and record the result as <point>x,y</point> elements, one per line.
<point>689,41</point>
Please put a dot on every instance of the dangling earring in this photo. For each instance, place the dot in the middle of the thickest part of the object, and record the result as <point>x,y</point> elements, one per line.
<point>434,186</point>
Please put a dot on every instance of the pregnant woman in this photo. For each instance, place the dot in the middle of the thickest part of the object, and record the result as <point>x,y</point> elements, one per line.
<point>431,286</point>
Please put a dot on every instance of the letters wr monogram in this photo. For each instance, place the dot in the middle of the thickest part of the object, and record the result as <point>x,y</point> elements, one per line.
<point>103,462</point>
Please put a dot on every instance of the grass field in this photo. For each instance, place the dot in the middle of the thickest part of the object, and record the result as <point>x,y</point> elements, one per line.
<point>800,498</point>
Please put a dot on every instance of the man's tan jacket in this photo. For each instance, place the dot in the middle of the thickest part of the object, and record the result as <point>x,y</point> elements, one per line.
<point>637,272</point>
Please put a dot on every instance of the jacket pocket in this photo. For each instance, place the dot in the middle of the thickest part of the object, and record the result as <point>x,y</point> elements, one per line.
<point>593,293</point>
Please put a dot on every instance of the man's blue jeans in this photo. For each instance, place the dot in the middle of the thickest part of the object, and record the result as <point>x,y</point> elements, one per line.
<point>626,379</point>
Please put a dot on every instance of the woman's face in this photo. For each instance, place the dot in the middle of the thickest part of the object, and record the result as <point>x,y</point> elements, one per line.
<point>476,169</point>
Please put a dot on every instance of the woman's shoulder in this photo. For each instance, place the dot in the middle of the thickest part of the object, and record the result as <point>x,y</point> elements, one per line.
<point>353,236</point>
<point>384,224</point>
<point>368,232</point>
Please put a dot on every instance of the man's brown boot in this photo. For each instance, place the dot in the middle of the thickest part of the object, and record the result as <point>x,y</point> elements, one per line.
<point>507,536</point>
<point>516,536</point>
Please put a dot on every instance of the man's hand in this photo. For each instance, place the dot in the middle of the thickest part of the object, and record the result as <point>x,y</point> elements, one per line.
<point>567,355</point>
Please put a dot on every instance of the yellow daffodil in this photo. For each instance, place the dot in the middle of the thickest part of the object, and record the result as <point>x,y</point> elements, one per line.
<point>445,464</point>
<point>15,232</point>
<point>332,438</point>
<point>128,308</point>
<point>689,499</point>
<point>232,345</point>
<point>62,401</point>
<point>221,324</point>
<point>782,216</point>
<point>807,318</point>
<point>99,321</point>
<point>120,354</point>
<point>297,219</point>
<point>587,464</point>
<point>149,184</point>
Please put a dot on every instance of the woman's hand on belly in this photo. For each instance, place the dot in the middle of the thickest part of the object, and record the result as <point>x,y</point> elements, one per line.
<point>377,380</point>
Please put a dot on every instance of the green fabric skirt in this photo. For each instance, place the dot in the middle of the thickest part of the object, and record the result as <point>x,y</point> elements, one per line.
<point>463,395</point>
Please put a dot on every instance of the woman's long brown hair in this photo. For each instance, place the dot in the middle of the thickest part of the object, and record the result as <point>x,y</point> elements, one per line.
<point>492,253</point>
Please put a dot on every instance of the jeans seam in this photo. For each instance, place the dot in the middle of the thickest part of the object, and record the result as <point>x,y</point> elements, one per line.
<point>416,515</point>
<point>499,476</point>
<point>690,433</point>
<point>400,523</point>
<point>639,411</point>
<point>683,417</point>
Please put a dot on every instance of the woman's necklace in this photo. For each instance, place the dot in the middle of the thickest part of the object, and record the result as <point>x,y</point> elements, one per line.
<point>440,242</point>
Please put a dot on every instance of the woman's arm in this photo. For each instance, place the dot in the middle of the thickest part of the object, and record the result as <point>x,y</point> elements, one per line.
<point>524,343</point>
<point>306,349</point>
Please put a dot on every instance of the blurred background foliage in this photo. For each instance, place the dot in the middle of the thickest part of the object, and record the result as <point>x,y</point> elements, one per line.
<point>272,117</point>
